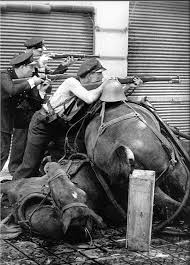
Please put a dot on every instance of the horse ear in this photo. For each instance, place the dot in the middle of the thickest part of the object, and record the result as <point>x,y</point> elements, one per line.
<point>66,220</point>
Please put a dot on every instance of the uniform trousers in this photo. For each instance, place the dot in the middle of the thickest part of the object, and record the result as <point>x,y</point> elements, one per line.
<point>5,147</point>
<point>40,133</point>
<point>18,145</point>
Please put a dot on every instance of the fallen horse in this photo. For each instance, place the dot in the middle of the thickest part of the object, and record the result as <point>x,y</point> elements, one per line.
<point>50,205</point>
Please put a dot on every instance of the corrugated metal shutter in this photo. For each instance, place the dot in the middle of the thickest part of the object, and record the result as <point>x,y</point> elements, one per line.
<point>159,45</point>
<point>62,31</point>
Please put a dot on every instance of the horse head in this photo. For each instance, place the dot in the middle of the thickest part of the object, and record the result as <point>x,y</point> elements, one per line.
<point>70,200</point>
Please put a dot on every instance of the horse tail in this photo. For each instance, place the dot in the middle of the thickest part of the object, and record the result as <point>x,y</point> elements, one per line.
<point>121,164</point>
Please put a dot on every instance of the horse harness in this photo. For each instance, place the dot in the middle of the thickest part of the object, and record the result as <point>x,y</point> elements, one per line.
<point>45,196</point>
<point>134,114</point>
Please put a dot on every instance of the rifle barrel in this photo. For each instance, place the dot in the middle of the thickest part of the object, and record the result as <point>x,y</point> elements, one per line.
<point>144,78</point>
<point>78,55</point>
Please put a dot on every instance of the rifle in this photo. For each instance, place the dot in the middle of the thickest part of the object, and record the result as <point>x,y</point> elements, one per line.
<point>51,77</point>
<point>74,55</point>
<point>149,78</point>
<point>127,80</point>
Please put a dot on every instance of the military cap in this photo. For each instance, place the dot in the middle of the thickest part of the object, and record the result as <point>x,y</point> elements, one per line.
<point>34,42</point>
<point>90,65</point>
<point>23,58</point>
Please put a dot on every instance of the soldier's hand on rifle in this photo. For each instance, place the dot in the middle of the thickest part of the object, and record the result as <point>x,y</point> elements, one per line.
<point>129,88</point>
<point>45,85</point>
<point>37,80</point>
<point>69,61</point>
<point>137,81</point>
<point>42,75</point>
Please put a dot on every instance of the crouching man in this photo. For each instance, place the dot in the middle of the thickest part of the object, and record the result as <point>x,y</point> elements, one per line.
<point>43,129</point>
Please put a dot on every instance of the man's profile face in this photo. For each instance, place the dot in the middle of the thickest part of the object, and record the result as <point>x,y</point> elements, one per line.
<point>37,52</point>
<point>26,70</point>
<point>95,77</point>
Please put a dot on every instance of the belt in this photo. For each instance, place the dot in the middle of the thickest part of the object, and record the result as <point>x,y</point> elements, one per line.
<point>48,117</point>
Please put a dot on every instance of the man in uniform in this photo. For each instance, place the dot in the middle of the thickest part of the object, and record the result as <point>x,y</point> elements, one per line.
<point>22,67</point>
<point>37,46</point>
<point>44,128</point>
<point>29,103</point>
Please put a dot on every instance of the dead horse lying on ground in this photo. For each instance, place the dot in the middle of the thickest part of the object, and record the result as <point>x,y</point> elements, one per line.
<point>51,205</point>
<point>126,136</point>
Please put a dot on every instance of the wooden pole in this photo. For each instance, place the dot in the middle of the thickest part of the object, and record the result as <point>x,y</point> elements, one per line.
<point>140,210</point>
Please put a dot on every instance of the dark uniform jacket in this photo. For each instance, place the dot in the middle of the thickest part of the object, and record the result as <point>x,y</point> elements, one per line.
<point>8,91</point>
<point>14,101</point>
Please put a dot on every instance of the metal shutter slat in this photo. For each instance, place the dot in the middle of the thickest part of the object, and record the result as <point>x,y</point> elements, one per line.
<point>159,45</point>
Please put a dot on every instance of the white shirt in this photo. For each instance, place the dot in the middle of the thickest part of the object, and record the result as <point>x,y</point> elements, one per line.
<point>62,94</point>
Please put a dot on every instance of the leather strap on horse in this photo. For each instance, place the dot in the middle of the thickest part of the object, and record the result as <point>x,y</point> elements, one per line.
<point>105,125</point>
<point>73,204</point>
<point>108,191</point>
<point>20,204</point>
<point>162,139</point>
<point>171,135</point>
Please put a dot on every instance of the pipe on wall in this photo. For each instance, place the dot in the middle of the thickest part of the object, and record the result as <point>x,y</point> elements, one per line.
<point>27,8</point>
<point>44,8</point>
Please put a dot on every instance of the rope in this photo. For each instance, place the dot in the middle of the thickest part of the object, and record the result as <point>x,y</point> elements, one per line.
<point>36,209</point>
<point>66,138</point>
<point>108,191</point>
<point>92,110</point>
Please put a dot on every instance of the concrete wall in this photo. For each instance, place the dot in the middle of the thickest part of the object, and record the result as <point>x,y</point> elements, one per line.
<point>111,35</point>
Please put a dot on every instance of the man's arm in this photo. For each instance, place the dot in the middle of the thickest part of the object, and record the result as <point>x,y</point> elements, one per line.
<point>88,96</point>
<point>14,89</point>
<point>61,68</point>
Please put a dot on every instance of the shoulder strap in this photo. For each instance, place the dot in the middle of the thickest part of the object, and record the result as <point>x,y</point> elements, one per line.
<point>71,105</point>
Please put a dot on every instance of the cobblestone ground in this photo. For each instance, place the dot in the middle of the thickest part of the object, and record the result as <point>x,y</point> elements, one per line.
<point>107,247</point>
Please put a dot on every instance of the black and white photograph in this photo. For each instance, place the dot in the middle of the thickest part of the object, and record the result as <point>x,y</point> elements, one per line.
<point>95,132</point>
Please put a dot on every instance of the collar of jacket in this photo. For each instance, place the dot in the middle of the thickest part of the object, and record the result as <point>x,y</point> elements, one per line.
<point>12,73</point>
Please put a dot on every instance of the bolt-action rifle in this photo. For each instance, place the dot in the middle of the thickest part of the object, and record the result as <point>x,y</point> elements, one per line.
<point>74,55</point>
<point>149,78</point>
